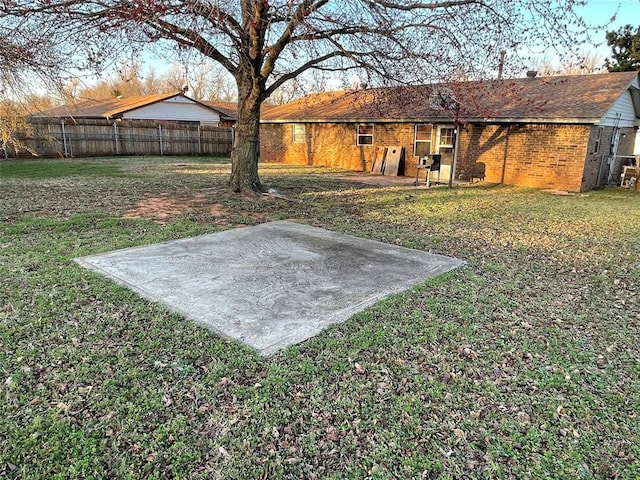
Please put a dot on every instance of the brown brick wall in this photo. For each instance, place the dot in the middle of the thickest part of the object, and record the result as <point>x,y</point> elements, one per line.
<point>482,144</point>
<point>548,156</point>
<point>332,145</point>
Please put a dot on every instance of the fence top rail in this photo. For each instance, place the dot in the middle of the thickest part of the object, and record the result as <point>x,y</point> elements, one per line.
<point>123,123</point>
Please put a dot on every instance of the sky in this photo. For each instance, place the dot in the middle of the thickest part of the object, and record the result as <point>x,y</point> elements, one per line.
<point>601,16</point>
<point>595,12</point>
<point>599,12</point>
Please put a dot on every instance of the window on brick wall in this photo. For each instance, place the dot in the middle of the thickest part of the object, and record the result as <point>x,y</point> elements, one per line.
<point>298,132</point>
<point>365,134</point>
<point>596,146</point>
<point>447,137</point>
<point>422,140</point>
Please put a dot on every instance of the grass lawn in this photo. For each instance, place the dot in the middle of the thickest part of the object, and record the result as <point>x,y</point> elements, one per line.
<point>524,364</point>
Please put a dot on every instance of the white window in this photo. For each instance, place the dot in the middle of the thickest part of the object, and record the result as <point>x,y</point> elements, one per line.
<point>298,133</point>
<point>422,140</point>
<point>365,134</point>
<point>447,137</point>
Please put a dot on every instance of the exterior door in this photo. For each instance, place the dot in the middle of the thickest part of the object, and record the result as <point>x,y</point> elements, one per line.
<point>615,141</point>
<point>445,141</point>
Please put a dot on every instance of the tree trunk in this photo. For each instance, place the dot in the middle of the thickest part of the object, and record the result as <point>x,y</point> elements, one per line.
<point>246,144</point>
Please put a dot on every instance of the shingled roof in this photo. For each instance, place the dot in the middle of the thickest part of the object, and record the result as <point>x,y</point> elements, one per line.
<point>562,99</point>
<point>117,107</point>
<point>229,109</point>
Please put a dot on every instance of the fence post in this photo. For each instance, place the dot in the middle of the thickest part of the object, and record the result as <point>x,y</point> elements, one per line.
<point>64,139</point>
<point>199,140</point>
<point>115,137</point>
<point>107,138</point>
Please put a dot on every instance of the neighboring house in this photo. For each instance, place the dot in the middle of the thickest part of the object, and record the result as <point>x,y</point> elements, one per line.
<point>167,107</point>
<point>228,110</point>
<point>165,124</point>
<point>571,132</point>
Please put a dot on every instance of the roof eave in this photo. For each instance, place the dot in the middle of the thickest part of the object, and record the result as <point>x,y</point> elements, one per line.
<point>72,116</point>
<point>512,120</point>
<point>537,120</point>
<point>635,99</point>
<point>126,109</point>
<point>356,120</point>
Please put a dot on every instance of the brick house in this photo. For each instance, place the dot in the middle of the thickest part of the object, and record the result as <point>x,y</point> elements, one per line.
<point>570,132</point>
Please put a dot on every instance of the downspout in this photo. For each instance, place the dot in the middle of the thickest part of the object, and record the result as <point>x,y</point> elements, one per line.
<point>456,145</point>
<point>160,138</point>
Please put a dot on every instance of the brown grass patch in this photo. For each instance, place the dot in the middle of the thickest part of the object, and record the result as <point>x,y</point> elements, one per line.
<point>160,208</point>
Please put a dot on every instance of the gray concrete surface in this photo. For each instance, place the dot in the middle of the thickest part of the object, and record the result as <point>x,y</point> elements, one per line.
<point>271,285</point>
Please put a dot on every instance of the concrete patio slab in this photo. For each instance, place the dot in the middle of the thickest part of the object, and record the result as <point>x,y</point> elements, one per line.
<point>272,285</point>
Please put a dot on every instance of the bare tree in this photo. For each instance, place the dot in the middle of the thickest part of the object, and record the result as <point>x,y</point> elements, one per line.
<point>29,57</point>
<point>12,122</point>
<point>306,84</point>
<point>127,80</point>
<point>265,43</point>
<point>209,81</point>
<point>584,63</point>
<point>205,80</point>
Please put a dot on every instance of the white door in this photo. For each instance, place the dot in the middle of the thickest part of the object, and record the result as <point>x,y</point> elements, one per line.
<point>445,141</point>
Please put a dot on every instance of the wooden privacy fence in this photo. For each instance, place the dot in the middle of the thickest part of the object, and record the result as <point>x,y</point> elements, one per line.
<point>90,138</point>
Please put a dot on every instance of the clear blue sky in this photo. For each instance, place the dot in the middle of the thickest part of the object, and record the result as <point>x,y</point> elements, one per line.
<point>600,12</point>
<point>596,13</point>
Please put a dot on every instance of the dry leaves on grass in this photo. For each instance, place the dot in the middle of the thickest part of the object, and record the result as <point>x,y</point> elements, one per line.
<point>467,352</point>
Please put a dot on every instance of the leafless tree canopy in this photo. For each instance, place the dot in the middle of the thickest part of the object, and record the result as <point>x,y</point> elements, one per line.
<point>265,43</point>
<point>28,55</point>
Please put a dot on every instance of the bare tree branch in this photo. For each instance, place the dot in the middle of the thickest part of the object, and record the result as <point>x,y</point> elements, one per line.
<point>421,5</point>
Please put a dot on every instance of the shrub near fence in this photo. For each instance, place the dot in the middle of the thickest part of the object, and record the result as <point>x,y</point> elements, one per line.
<point>89,138</point>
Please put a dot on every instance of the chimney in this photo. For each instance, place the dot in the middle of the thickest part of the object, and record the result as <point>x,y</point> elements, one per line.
<point>501,64</point>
